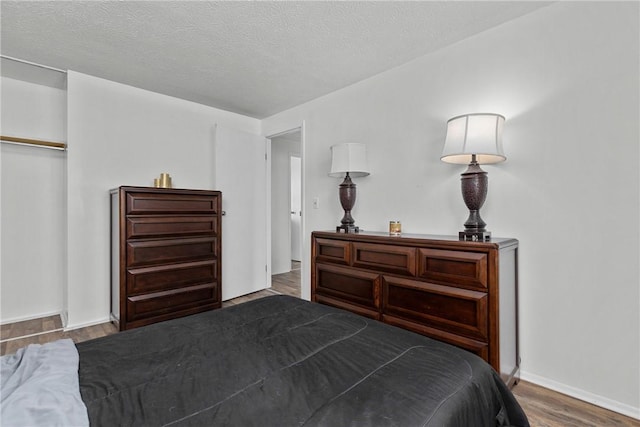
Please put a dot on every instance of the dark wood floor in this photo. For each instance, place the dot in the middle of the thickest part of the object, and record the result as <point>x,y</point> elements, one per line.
<point>41,331</point>
<point>547,408</point>
<point>544,407</point>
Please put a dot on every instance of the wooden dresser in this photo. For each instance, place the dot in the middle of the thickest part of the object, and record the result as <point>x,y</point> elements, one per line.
<point>165,254</point>
<point>463,293</point>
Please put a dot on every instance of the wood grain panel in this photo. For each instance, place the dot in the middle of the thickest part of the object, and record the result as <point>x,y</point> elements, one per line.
<point>165,226</point>
<point>349,285</point>
<point>459,268</point>
<point>334,251</point>
<point>450,309</point>
<point>170,302</point>
<point>340,303</point>
<point>171,276</point>
<point>386,258</point>
<point>140,203</point>
<point>480,348</point>
<point>149,252</point>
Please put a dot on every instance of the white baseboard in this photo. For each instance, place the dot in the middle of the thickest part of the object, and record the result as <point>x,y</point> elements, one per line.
<point>594,399</point>
<point>65,318</point>
<point>35,316</point>
<point>87,324</point>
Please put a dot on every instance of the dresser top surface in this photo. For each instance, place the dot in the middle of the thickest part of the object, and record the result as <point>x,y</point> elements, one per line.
<point>408,238</point>
<point>160,190</point>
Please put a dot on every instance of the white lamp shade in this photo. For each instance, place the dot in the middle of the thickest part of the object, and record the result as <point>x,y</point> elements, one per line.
<point>479,134</point>
<point>349,157</point>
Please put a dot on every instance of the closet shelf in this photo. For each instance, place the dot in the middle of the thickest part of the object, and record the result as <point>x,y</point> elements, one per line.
<point>34,142</point>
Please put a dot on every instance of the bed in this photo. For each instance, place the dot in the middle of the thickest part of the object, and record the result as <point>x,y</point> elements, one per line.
<point>282,361</point>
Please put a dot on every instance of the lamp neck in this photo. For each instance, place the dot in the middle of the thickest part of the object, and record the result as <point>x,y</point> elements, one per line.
<point>473,167</point>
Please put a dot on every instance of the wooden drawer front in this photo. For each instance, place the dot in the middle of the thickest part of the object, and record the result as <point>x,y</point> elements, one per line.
<point>153,279</point>
<point>355,286</point>
<point>160,226</point>
<point>388,258</point>
<point>468,269</point>
<point>148,252</point>
<point>335,251</point>
<point>459,311</point>
<point>171,301</point>
<point>480,348</point>
<point>372,313</point>
<point>142,203</point>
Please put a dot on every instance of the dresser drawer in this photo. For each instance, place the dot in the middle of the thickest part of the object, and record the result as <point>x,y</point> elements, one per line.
<point>163,226</point>
<point>387,258</point>
<point>353,286</point>
<point>459,268</point>
<point>335,251</point>
<point>480,348</point>
<point>171,302</point>
<point>140,203</point>
<point>149,252</point>
<point>172,276</point>
<point>372,313</point>
<point>454,310</point>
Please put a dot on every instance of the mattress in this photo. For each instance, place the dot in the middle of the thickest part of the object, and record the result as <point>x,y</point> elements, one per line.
<point>282,361</point>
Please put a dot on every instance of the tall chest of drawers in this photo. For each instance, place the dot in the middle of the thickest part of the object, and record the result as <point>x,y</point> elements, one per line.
<point>462,293</point>
<point>165,254</point>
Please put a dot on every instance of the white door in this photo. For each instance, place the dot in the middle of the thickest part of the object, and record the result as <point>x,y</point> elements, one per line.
<point>240,173</point>
<point>296,207</point>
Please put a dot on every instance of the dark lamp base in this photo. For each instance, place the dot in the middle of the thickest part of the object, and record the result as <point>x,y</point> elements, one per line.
<point>475,236</point>
<point>347,228</point>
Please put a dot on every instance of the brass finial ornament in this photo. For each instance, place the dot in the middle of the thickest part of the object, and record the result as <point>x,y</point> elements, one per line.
<point>163,182</point>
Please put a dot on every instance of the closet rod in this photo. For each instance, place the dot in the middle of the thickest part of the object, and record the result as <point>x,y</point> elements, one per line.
<point>36,142</point>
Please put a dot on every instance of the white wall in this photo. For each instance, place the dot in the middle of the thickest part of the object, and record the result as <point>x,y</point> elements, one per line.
<point>281,148</point>
<point>566,78</point>
<point>33,202</point>
<point>121,135</point>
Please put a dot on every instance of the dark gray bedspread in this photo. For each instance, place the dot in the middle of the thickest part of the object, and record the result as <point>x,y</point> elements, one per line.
<point>281,361</point>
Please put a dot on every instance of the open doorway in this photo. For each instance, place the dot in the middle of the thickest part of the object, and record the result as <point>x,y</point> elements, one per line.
<point>286,213</point>
<point>295,195</point>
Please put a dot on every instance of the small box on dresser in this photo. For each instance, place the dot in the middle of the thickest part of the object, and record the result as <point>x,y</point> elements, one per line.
<point>460,292</point>
<point>165,254</point>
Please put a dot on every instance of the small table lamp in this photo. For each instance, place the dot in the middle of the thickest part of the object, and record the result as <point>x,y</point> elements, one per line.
<point>348,160</point>
<point>475,139</point>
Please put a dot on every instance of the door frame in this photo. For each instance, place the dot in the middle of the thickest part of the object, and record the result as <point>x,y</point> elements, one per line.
<point>301,129</point>
<point>297,156</point>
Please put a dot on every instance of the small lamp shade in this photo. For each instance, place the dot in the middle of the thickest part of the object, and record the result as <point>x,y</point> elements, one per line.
<point>349,157</point>
<point>474,134</point>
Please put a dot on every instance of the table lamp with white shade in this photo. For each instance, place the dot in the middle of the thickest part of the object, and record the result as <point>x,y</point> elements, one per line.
<point>474,139</point>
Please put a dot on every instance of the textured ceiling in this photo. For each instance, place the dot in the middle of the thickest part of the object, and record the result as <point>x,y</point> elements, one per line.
<point>252,58</point>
